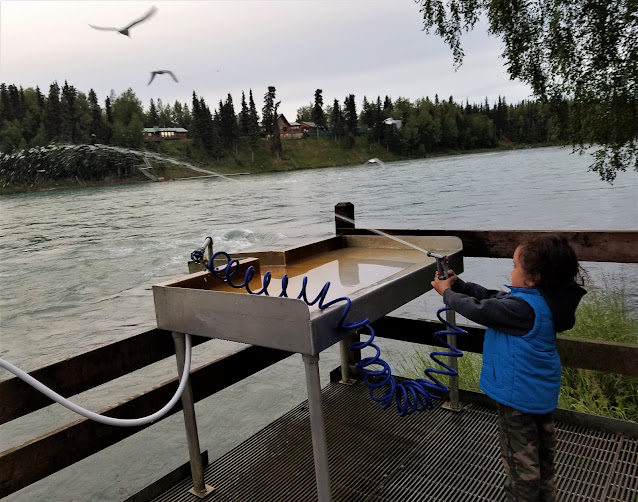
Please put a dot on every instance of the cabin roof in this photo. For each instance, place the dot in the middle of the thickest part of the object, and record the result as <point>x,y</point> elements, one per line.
<point>165,129</point>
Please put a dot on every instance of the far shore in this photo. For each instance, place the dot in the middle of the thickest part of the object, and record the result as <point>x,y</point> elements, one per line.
<point>183,174</point>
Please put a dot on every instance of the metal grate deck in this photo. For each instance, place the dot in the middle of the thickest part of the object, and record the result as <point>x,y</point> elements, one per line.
<point>377,456</point>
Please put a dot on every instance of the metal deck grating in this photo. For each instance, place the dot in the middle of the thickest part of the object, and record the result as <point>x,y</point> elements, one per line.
<point>377,456</point>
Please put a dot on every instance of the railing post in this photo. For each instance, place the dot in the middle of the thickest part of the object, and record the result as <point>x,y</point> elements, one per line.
<point>200,489</point>
<point>346,210</point>
<point>453,404</point>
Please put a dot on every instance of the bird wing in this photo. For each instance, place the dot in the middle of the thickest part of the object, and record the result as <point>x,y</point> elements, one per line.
<point>150,12</point>
<point>102,28</point>
<point>172,75</point>
<point>152,77</point>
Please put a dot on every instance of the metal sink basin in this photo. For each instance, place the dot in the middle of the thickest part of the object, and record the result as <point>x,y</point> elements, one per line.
<point>378,274</point>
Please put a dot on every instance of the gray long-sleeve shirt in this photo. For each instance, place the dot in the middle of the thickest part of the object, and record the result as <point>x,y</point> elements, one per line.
<point>490,307</point>
<point>496,309</point>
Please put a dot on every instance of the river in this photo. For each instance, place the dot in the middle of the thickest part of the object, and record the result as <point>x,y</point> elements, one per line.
<point>77,266</point>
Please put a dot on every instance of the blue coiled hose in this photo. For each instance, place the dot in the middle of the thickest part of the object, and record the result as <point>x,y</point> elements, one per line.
<point>410,395</point>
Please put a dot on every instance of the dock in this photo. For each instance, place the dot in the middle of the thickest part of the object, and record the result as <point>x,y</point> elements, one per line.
<point>374,455</point>
<point>437,455</point>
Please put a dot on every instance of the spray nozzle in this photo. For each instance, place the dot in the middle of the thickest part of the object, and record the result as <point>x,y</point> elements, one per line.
<point>441,264</point>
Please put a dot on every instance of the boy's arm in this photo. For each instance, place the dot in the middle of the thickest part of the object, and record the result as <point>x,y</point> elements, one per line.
<point>475,290</point>
<point>504,313</point>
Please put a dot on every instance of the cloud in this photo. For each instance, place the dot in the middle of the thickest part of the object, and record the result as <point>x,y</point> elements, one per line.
<point>359,47</point>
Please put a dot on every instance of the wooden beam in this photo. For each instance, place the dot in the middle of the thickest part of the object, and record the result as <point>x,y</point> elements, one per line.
<point>86,371</point>
<point>603,246</point>
<point>608,357</point>
<point>42,456</point>
<point>422,331</point>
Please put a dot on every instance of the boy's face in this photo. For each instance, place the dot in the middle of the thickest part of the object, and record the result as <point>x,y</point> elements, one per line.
<point>520,278</point>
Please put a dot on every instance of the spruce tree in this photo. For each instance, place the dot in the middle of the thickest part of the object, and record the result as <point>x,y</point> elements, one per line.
<point>5,106</point>
<point>17,111</point>
<point>244,117</point>
<point>253,133</point>
<point>268,111</point>
<point>96,128</point>
<point>318,117</point>
<point>350,116</point>
<point>228,124</point>
<point>270,120</point>
<point>153,116</point>
<point>337,120</point>
<point>109,120</point>
<point>68,114</point>
<point>387,106</point>
<point>52,114</point>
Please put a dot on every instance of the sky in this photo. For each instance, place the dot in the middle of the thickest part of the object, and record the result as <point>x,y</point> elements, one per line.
<point>216,47</point>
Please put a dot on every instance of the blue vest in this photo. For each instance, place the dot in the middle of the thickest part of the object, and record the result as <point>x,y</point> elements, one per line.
<point>523,371</point>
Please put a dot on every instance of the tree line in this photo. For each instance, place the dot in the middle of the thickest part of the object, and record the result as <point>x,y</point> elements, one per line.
<point>65,115</point>
<point>423,126</point>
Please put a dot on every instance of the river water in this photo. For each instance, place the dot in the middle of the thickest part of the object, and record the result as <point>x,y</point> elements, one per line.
<point>77,266</point>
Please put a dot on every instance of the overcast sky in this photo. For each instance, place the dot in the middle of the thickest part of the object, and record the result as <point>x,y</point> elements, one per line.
<point>216,47</point>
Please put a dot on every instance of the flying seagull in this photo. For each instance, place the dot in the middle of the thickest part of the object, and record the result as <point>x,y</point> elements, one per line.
<point>124,31</point>
<point>161,72</point>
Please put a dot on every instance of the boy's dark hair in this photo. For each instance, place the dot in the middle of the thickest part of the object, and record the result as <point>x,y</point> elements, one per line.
<point>551,261</point>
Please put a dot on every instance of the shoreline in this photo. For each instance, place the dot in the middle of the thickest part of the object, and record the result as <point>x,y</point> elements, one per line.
<point>51,185</point>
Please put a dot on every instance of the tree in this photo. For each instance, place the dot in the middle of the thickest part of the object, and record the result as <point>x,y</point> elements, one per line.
<point>244,117</point>
<point>165,113</point>
<point>580,56</point>
<point>152,118</point>
<point>108,111</point>
<point>253,130</point>
<point>11,136</point>
<point>318,117</point>
<point>229,129</point>
<point>182,116</point>
<point>68,114</point>
<point>304,113</point>
<point>128,116</point>
<point>97,129</point>
<point>268,111</point>
<point>52,113</point>
<point>270,120</point>
<point>32,122</point>
<point>350,120</point>
<point>367,113</point>
<point>337,125</point>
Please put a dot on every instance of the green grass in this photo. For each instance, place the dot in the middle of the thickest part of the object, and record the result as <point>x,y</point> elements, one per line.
<point>306,153</point>
<point>602,315</point>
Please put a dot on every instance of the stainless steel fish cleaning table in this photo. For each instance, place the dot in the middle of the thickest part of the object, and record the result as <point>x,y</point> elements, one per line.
<point>377,273</point>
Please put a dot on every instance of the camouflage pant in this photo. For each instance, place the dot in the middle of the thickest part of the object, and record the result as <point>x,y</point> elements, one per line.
<point>528,447</point>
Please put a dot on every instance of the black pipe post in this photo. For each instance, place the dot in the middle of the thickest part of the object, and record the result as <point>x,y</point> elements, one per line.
<point>345,209</point>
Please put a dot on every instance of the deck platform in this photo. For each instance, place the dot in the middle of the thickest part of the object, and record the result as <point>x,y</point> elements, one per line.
<point>377,456</point>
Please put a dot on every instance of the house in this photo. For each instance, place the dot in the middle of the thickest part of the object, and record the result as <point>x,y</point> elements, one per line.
<point>164,133</point>
<point>289,130</point>
<point>308,127</point>
<point>391,121</point>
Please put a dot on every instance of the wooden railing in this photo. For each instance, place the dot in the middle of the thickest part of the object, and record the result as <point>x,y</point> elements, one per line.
<point>44,455</point>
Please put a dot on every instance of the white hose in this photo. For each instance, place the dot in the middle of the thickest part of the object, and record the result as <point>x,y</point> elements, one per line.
<point>120,422</point>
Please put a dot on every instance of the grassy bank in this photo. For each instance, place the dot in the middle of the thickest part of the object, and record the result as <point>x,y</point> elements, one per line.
<point>309,153</point>
<point>603,315</point>
<point>297,154</point>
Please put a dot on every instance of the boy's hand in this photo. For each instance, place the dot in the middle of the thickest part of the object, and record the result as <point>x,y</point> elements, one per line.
<point>440,285</point>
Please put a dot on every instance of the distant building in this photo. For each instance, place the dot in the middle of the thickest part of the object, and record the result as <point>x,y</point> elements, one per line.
<point>289,130</point>
<point>391,121</point>
<point>308,127</point>
<point>164,133</point>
